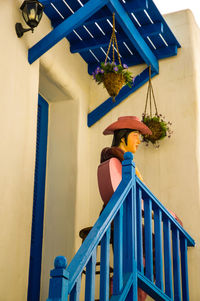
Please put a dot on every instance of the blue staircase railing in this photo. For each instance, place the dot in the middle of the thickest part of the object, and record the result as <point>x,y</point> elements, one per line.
<point>160,270</point>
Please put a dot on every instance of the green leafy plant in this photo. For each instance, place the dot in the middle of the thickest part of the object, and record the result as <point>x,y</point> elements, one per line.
<point>106,68</point>
<point>159,127</point>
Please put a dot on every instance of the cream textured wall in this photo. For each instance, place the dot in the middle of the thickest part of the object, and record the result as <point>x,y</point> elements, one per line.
<point>18,113</point>
<point>172,171</point>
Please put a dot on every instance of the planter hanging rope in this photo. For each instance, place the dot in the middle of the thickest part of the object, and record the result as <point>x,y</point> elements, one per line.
<point>113,81</point>
<point>159,127</point>
<point>113,76</point>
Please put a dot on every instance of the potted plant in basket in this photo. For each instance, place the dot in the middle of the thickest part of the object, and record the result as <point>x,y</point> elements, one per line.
<point>113,77</point>
<point>156,122</point>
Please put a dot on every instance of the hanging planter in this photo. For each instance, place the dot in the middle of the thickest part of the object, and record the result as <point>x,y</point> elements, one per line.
<point>113,76</point>
<point>156,122</point>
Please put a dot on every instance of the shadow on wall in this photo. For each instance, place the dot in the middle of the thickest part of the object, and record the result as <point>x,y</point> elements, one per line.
<point>60,187</point>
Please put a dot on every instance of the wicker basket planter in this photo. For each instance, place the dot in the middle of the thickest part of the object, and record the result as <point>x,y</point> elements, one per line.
<point>160,129</point>
<point>113,82</point>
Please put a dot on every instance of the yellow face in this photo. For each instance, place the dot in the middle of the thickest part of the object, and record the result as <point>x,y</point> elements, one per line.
<point>133,142</point>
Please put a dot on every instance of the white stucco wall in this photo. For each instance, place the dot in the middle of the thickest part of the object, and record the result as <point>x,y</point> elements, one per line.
<point>18,113</point>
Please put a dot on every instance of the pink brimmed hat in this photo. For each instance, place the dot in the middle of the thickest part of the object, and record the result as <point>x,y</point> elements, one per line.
<point>128,122</point>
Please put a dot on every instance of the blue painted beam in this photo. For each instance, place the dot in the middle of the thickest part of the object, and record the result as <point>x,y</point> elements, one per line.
<point>81,46</point>
<point>63,29</point>
<point>108,105</point>
<point>133,34</point>
<point>151,289</point>
<point>136,5</point>
<point>135,59</point>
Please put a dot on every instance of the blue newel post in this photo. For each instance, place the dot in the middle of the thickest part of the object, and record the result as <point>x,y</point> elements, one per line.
<point>130,257</point>
<point>58,286</point>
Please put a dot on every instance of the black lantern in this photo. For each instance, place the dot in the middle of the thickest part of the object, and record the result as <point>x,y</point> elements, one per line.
<point>32,11</point>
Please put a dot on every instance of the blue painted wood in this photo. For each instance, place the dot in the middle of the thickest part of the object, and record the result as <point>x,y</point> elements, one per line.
<point>75,293</point>
<point>134,36</point>
<point>158,247</point>
<point>38,202</point>
<point>118,253</point>
<point>105,266</point>
<point>108,105</point>
<point>128,282</point>
<point>92,240</point>
<point>90,278</point>
<point>151,289</point>
<point>176,264</point>
<point>90,43</point>
<point>58,288</point>
<point>184,269</point>
<point>165,212</point>
<point>132,60</point>
<point>148,238</point>
<point>167,257</point>
<point>64,29</point>
<point>140,265</point>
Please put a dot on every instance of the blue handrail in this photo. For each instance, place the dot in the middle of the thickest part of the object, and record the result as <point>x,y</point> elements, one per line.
<point>122,219</point>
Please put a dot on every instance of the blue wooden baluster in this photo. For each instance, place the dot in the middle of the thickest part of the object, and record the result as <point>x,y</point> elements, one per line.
<point>167,257</point>
<point>90,278</point>
<point>176,264</point>
<point>129,223</point>
<point>58,286</point>
<point>75,293</point>
<point>158,247</point>
<point>104,268</point>
<point>118,245</point>
<point>148,238</point>
<point>140,265</point>
<point>184,269</point>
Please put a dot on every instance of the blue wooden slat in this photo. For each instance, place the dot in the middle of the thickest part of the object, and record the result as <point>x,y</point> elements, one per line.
<point>91,43</point>
<point>151,289</point>
<point>108,105</point>
<point>38,202</point>
<point>118,247</point>
<point>176,264</point>
<point>156,16</point>
<point>136,5</point>
<point>165,212</point>
<point>135,59</point>
<point>92,240</point>
<point>64,28</point>
<point>148,238</point>
<point>140,265</point>
<point>105,266</point>
<point>184,269</point>
<point>90,278</point>
<point>158,247</point>
<point>134,36</point>
<point>75,293</point>
<point>128,282</point>
<point>167,257</point>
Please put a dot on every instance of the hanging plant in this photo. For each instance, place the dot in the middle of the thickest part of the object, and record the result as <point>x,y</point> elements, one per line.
<point>113,76</point>
<point>156,122</point>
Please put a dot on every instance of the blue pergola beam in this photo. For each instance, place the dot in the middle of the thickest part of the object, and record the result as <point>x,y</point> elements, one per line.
<point>132,60</point>
<point>108,105</point>
<point>147,30</point>
<point>136,5</point>
<point>133,34</point>
<point>63,29</point>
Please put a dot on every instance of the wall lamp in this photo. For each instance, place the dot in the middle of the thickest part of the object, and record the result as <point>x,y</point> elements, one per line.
<point>32,11</point>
